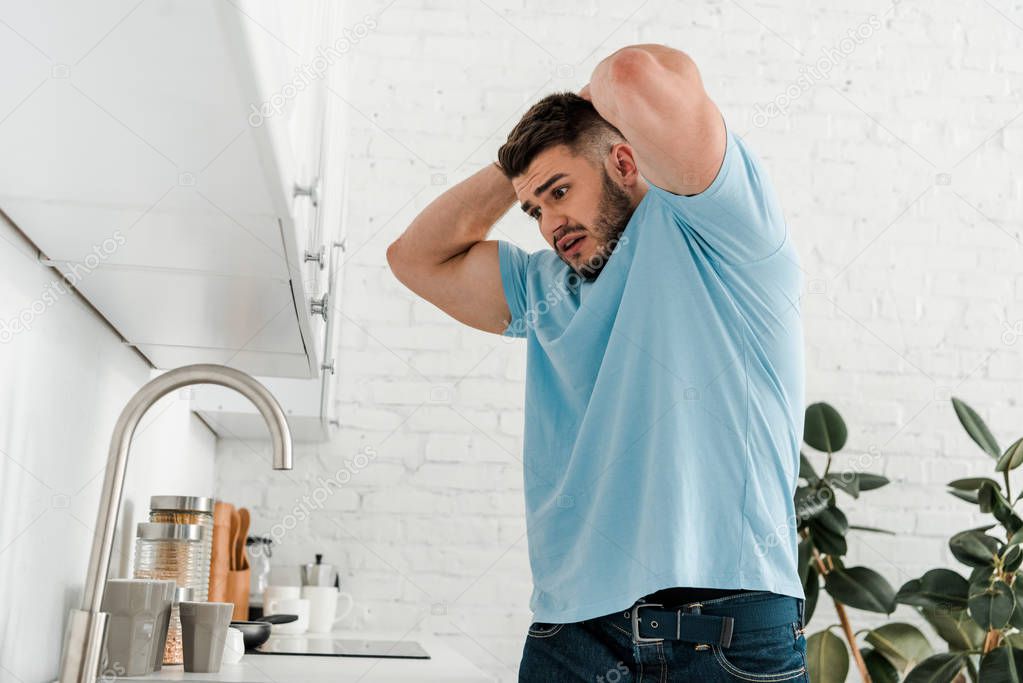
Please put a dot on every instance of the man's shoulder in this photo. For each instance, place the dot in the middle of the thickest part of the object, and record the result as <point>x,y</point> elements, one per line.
<point>546,261</point>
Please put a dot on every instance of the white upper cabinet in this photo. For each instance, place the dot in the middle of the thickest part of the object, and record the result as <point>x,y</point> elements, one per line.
<point>167,157</point>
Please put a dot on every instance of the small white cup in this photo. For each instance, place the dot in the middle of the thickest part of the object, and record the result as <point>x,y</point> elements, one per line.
<point>323,607</point>
<point>234,647</point>
<point>296,606</point>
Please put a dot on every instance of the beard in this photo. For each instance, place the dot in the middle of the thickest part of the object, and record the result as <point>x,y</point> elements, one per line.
<point>615,210</point>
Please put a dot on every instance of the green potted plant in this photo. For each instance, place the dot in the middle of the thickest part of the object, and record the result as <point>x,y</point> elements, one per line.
<point>980,617</point>
<point>822,528</point>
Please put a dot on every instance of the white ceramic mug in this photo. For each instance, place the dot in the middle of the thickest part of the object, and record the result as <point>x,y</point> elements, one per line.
<point>323,607</point>
<point>297,606</point>
<point>272,592</point>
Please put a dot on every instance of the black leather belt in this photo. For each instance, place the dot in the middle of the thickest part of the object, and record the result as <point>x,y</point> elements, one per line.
<point>715,622</point>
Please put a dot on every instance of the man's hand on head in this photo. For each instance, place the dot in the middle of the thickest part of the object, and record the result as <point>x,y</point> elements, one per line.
<point>585,93</point>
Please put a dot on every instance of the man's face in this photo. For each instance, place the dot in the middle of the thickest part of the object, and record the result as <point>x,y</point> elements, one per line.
<point>581,211</point>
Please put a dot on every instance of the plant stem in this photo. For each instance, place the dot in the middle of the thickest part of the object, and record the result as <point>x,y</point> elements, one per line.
<point>1008,491</point>
<point>994,636</point>
<point>844,619</point>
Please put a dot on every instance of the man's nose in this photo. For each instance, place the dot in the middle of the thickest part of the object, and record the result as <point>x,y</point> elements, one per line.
<point>554,226</point>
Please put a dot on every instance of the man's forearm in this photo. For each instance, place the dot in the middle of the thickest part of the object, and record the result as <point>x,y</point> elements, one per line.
<point>456,220</point>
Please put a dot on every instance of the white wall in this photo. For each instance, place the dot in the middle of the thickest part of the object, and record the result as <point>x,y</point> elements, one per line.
<point>65,377</point>
<point>896,176</point>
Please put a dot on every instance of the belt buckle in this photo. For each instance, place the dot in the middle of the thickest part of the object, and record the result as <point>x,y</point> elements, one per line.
<point>636,638</point>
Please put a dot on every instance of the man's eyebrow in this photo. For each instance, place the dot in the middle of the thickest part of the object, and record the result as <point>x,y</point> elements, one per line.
<point>527,206</point>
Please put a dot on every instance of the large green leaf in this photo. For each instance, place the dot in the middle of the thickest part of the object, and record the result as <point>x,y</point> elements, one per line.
<point>811,589</point>
<point>968,496</point>
<point>991,608</point>
<point>972,483</point>
<point>1002,665</point>
<point>827,542</point>
<point>823,428</point>
<point>810,501</point>
<point>1017,614</point>
<point>981,578</point>
<point>834,520</point>
<point>1001,508</point>
<point>985,496</point>
<point>855,482</point>
<point>938,588</point>
<point>974,548</point>
<point>1011,458</point>
<point>869,482</point>
<point>1012,558</point>
<point>955,627</point>
<point>862,588</point>
<point>879,668</point>
<point>902,644</point>
<point>940,668</point>
<point>976,428</point>
<point>827,660</point>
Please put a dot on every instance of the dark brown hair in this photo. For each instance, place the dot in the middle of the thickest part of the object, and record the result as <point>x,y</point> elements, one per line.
<point>561,118</point>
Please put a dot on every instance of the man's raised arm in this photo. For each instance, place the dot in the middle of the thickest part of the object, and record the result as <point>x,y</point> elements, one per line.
<point>444,256</point>
<point>654,95</point>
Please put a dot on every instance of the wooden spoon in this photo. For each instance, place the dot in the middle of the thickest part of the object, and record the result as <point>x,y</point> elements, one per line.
<point>243,533</point>
<point>232,563</point>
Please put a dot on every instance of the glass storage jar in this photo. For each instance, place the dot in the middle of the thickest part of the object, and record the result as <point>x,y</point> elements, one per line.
<point>170,551</point>
<point>188,510</point>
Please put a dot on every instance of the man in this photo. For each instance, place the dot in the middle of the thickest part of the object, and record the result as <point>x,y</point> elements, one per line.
<point>664,389</point>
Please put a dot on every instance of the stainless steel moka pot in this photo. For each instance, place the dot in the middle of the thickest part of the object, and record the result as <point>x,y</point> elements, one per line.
<point>318,573</point>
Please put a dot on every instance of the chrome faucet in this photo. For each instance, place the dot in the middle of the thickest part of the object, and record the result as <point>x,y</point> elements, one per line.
<point>86,629</point>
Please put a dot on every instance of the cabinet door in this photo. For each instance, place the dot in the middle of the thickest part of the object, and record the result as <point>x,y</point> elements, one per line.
<point>282,46</point>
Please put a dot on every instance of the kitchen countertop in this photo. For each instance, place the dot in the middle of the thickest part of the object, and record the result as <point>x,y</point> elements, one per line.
<point>444,665</point>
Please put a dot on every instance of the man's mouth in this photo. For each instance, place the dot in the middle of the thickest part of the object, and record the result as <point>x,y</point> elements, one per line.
<point>569,244</point>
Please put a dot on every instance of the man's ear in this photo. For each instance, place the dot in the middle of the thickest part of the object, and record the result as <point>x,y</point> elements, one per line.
<point>621,163</point>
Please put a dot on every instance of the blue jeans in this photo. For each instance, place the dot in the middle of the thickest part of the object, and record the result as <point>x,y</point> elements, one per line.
<point>601,650</point>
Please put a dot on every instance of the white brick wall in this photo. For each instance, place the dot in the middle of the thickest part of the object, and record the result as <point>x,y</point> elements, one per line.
<point>912,277</point>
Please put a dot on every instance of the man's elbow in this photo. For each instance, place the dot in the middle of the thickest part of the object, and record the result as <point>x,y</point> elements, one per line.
<point>635,65</point>
<point>397,260</point>
<point>629,64</point>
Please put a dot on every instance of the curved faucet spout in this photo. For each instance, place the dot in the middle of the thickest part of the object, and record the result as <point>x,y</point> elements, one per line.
<point>83,640</point>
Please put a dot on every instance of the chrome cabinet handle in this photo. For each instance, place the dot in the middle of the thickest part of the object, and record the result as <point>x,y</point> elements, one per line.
<point>319,306</point>
<point>317,256</point>
<point>311,190</point>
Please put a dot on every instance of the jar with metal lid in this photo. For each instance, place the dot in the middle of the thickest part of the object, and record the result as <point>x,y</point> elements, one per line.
<point>171,551</point>
<point>172,651</point>
<point>188,510</point>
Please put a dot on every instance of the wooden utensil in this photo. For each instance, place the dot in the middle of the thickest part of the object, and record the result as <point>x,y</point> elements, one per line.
<point>220,559</point>
<point>243,533</point>
<point>240,575</point>
<point>238,592</point>
<point>233,561</point>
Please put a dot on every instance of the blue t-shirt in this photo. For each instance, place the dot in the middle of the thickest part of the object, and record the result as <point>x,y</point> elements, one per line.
<point>664,401</point>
